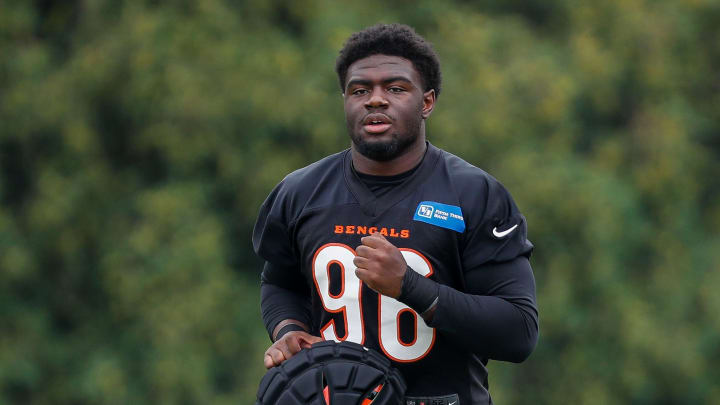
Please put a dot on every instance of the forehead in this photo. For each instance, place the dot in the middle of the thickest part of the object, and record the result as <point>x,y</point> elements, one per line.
<point>382,66</point>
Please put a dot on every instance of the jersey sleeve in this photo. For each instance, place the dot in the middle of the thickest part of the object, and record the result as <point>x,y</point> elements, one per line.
<point>272,233</point>
<point>496,230</point>
<point>284,292</point>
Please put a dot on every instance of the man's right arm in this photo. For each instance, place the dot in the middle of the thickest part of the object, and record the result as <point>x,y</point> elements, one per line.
<point>285,306</point>
<point>285,294</point>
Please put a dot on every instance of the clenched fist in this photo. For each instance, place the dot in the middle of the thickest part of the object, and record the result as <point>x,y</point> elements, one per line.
<point>380,265</point>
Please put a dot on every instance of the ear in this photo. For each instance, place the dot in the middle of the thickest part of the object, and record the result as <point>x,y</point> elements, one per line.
<point>428,103</point>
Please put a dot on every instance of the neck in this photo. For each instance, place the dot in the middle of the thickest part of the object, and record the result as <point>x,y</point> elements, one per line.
<point>411,158</point>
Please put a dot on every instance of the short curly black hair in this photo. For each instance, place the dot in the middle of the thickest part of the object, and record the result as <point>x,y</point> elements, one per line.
<point>393,40</point>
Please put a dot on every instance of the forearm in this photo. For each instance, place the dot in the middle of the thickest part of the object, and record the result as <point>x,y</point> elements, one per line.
<point>489,326</point>
<point>280,306</point>
<point>497,318</point>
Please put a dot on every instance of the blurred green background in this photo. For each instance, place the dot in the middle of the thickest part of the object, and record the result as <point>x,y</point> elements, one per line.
<point>138,139</point>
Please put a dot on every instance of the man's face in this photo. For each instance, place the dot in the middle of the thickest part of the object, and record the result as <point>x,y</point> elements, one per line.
<point>385,106</point>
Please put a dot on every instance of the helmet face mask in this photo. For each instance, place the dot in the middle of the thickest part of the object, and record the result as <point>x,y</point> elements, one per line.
<point>330,373</point>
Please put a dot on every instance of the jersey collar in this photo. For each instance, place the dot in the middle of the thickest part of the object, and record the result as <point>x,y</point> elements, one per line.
<point>373,206</point>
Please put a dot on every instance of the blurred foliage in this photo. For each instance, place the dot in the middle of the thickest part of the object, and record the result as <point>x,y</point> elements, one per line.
<point>138,139</point>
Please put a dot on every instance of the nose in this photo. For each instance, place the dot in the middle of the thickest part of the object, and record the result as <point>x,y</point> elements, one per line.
<point>376,99</point>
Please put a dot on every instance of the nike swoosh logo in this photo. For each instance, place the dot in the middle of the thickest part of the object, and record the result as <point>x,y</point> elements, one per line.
<point>452,403</point>
<point>503,233</point>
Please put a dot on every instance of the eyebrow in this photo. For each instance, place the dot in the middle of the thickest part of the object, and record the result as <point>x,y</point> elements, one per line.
<point>364,82</point>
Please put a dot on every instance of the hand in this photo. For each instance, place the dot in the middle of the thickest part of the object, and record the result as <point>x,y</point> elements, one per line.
<point>380,265</point>
<point>287,346</point>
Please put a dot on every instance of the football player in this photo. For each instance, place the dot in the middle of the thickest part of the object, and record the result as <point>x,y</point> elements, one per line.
<point>394,243</point>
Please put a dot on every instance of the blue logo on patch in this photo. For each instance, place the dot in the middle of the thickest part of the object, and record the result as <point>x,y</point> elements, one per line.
<point>442,215</point>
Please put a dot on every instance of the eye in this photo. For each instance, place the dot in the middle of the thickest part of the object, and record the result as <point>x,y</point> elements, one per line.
<point>396,90</point>
<point>359,92</point>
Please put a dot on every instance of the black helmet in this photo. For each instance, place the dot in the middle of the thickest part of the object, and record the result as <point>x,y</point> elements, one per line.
<point>330,373</point>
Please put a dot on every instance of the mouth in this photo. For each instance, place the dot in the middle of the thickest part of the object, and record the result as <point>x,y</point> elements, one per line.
<point>376,123</point>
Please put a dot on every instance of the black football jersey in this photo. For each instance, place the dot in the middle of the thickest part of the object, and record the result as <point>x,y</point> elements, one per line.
<point>447,218</point>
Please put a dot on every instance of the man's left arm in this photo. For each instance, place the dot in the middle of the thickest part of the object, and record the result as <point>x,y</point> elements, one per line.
<point>495,318</point>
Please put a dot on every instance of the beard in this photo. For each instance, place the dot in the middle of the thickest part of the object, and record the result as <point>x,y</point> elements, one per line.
<point>383,151</point>
<point>397,145</point>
